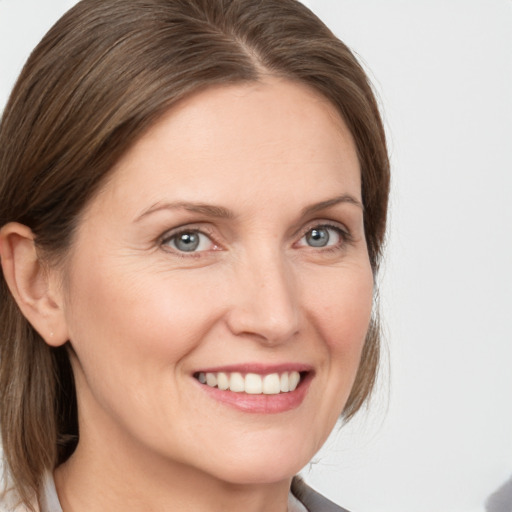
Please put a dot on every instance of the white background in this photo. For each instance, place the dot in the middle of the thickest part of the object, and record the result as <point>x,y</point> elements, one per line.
<point>438,437</point>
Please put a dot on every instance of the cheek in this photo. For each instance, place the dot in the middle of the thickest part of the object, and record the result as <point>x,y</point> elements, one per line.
<point>342,304</point>
<point>132,332</point>
<point>130,316</point>
<point>339,307</point>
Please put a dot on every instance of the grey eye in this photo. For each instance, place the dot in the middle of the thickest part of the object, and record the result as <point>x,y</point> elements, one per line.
<point>317,237</point>
<point>187,242</point>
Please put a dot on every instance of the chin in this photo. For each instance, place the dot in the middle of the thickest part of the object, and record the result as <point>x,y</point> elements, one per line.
<point>262,466</point>
<point>262,473</point>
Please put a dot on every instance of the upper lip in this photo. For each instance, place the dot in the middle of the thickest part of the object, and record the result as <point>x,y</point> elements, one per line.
<point>259,368</point>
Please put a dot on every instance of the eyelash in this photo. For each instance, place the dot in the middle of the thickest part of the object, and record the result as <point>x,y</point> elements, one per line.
<point>344,234</point>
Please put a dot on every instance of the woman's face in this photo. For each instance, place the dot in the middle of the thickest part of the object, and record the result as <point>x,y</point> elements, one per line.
<point>227,247</point>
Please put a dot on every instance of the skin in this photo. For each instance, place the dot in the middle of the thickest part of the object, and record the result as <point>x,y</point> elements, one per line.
<point>143,317</point>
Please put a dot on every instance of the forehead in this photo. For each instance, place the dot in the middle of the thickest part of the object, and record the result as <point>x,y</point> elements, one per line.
<point>275,135</point>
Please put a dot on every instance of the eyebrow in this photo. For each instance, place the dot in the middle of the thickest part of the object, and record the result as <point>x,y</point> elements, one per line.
<point>324,205</point>
<point>201,208</point>
<point>223,213</point>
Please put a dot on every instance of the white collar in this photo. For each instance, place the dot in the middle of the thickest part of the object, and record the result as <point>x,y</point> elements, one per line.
<point>49,501</point>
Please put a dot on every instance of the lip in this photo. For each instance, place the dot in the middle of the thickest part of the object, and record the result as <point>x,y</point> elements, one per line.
<point>260,404</point>
<point>262,369</point>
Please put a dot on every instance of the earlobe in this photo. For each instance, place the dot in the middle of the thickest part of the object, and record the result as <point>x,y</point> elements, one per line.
<point>32,285</point>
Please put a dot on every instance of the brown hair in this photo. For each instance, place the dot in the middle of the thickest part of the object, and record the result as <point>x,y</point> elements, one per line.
<point>101,76</point>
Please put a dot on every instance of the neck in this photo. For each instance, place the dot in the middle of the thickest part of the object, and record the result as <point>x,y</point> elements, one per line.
<point>95,479</point>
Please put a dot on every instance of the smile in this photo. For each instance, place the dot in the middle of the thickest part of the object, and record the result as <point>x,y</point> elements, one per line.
<point>251,383</point>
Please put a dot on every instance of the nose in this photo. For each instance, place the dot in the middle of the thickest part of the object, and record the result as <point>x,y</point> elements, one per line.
<point>265,303</point>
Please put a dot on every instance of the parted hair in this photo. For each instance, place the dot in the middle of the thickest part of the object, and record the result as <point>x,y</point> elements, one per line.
<point>102,75</point>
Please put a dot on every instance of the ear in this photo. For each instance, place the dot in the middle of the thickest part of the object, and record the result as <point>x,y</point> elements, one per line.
<point>35,288</point>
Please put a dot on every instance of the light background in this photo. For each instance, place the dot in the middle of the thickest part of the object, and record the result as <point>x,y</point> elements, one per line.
<point>438,437</point>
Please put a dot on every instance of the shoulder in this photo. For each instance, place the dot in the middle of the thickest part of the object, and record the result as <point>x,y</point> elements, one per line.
<point>312,500</point>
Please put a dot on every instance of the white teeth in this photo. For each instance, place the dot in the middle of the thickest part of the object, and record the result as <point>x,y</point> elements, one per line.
<point>211,379</point>
<point>285,386</point>
<point>236,383</point>
<point>294,380</point>
<point>252,383</point>
<point>222,381</point>
<point>271,384</point>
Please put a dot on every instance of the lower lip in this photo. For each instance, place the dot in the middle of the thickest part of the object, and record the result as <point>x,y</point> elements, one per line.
<point>261,404</point>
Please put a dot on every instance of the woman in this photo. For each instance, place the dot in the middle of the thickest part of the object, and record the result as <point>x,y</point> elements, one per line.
<point>193,201</point>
